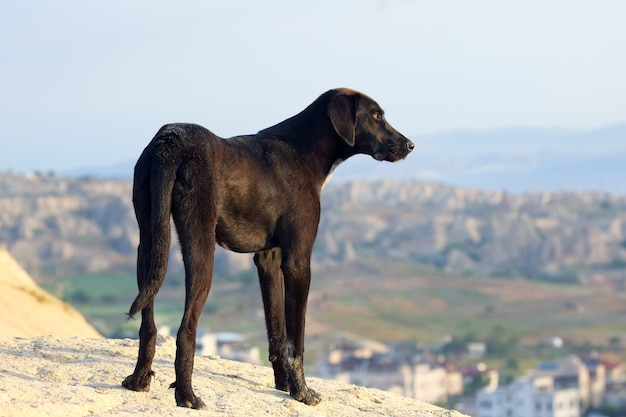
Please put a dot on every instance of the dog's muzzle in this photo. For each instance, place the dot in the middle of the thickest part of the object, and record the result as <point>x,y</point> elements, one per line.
<point>396,151</point>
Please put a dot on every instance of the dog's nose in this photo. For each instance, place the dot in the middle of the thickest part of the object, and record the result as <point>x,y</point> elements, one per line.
<point>410,145</point>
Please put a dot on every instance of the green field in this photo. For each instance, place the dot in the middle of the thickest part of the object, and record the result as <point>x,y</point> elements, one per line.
<point>381,301</point>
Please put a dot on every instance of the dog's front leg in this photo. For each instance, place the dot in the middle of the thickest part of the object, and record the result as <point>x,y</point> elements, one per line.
<point>297,277</point>
<point>273,291</point>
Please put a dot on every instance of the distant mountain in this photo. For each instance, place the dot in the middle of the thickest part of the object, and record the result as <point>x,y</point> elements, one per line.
<point>63,227</point>
<point>512,159</point>
<point>119,171</point>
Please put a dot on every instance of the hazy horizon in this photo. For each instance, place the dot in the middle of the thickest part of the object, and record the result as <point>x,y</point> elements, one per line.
<point>88,84</point>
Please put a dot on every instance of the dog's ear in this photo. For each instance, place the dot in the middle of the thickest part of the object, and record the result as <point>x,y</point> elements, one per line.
<point>342,113</point>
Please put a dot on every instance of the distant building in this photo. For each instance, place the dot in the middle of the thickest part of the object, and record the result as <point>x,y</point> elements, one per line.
<point>206,344</point>
<point>615,377</point>
<point>588,377</point>
<point>377,366</point>
<point>476,350</point>
<point>431,382</point>
<point>227,345</point>
<point>554,342</point>
<point>528,396</point>
<point>595,381</point>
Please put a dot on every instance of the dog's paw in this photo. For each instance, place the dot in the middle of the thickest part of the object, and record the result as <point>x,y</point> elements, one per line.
<point>194,402</point>
<point>281,374</point>
<point>282,387</point>
<point>308,396</point>
<point>281,382</point>
<point>187,399</point>
<point>140,384</point>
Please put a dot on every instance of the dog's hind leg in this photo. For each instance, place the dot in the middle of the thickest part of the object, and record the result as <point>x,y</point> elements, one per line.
<point>140,379</point>
<point>273,291</point>
<point>142,375</point>
<point>194,214</point>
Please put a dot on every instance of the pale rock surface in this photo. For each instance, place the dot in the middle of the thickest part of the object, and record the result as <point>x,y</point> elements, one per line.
<point>67,377</point>
<point>27,310</point>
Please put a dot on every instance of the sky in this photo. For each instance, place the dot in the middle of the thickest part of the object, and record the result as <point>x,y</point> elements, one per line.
<point>88,83</point>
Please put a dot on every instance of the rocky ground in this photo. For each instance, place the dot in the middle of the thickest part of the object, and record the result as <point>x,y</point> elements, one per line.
<point>66,377</point>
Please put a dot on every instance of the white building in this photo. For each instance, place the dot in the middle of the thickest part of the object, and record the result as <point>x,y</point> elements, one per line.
<point>227,345</point>
<point>430,383</point>
<point>374,365</point>
<point>588,376</point>
<point>528,396</point>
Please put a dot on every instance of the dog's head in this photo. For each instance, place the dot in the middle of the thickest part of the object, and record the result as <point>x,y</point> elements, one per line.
<point>361,123</point>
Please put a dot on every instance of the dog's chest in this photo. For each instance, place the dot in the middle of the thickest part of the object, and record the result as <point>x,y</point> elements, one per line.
<point>332,170</point>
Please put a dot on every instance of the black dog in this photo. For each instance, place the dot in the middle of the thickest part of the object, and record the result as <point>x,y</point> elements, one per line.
<point>257,193</point>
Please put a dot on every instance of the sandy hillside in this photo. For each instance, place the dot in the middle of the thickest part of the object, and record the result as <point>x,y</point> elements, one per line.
<point>51,376</point>
<point>27,310</point>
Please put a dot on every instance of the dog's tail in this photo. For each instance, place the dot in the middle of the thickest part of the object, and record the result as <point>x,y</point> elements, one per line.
<point>152,208</point>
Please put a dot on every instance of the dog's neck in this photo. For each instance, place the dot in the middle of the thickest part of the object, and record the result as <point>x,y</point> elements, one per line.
<point>319,145</point>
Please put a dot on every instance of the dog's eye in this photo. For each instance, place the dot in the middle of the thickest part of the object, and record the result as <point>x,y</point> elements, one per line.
<point>377,116</point>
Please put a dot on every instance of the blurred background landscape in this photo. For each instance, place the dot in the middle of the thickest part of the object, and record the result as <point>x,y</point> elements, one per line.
<point>499,245</point>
